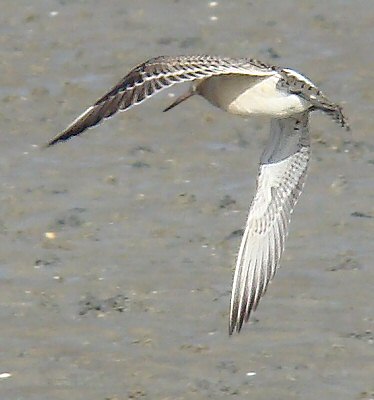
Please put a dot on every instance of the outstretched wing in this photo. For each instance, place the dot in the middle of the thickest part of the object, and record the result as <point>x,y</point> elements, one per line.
<point>280,181</point>
<point>153,76</point>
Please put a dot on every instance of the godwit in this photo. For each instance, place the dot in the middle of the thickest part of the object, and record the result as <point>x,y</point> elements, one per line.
<point>245,87</point>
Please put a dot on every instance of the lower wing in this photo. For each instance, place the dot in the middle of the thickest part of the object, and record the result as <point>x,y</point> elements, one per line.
<point>280,181</point>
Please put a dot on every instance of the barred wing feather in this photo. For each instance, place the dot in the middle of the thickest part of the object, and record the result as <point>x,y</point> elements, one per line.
<point>153,76</point>
<point>281,178</point>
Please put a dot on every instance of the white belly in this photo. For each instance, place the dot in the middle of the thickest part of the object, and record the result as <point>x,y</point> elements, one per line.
<point>251,95</point>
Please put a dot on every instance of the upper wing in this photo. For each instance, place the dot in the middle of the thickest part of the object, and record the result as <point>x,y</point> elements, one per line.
<point>281,177</point>
<point>153,76</point>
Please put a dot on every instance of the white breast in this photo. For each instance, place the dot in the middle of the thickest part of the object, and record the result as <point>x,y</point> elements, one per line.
<point>251,95</point>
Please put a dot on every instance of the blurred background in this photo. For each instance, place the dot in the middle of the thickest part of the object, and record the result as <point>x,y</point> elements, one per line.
<point>117,247</point>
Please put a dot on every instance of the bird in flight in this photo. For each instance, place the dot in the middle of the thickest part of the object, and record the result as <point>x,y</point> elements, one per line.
<point>245,87</point>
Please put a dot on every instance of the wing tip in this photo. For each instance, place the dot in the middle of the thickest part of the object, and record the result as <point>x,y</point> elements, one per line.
<point>342,119</point>
<point>338,115</point>
<point>237,318</point>
<point>235,325</point>
<point>58,138</point>
<point>64,136</point>
<point>88,119</point>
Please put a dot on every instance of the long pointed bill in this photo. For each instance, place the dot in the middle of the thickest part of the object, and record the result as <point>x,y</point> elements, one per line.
<point>180,99</point>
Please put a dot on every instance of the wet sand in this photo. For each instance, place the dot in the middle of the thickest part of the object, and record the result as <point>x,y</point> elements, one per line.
<point>117,248</point>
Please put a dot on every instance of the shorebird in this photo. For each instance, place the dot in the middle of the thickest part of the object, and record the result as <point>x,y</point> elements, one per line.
<point>246,87</point>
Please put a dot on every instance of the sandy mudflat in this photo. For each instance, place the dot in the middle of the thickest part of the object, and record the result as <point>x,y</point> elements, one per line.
<point>117,247</point>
